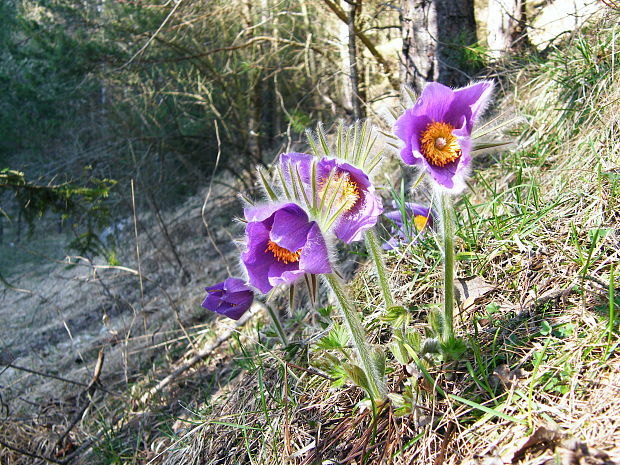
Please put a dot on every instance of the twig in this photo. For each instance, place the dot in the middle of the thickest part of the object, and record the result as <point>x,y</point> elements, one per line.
<point>311,371</point>
<point>439,460</point>
<point>30,454</point>
<point>148,42</point>
<point>46,375</point>
<point>204,205</point>
<point>287,431</point>
<point>185,333</point>
<point>89,391</point>
<point>164,229</point>
<point>135,231</point>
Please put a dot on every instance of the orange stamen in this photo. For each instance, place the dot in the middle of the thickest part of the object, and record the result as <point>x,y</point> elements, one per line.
<point>420,222</point>
<point>438,145</point>
<point>282,254</point>
<point>346,197</point>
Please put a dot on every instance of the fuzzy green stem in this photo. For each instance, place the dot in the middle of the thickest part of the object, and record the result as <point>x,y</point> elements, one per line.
<point>372,244</point>
<point>376,384</point>
<point>447,212</point>
<point>276,322</point>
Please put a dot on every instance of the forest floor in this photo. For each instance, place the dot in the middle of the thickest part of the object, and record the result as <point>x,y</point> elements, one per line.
<point>538,252</point>
<point>59,312</point>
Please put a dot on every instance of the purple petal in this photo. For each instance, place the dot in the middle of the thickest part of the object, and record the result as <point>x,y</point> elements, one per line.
<point>234,312</point>
<point>235,285</point>
<point>395,217</point>
<point>261,212</point>
<point>360,218</point>
<point>452,176</point>
<point>434,101</point>
<point>409,128</point>
<point>256,261</point>
<point>212,302</point>
<point>398,230</point>
<point>314,258</point>
<point>470,101</point>
<point>297,162</point>
<point>216,288</point>
<point>415,209</point>
<point>357,175</point>
<point>281,275</point>
<point>231,298</point>
<point>290,227</point>
<point>391,244</point>
<point>458,108</point>
<point>324,167</point>
<point>363,215</point>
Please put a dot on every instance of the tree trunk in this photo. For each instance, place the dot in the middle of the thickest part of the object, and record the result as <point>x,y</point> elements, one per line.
<point>356,97</point>
<point>436,34</point>
<point>343,48</point>
<point>506,24</point>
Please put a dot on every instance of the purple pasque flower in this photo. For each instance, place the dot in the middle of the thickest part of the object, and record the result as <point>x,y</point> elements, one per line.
<point>231,298</point>
<point>282,245</point>
<point>341,189</point>
<point>416,215</point>
<point>437,131</point>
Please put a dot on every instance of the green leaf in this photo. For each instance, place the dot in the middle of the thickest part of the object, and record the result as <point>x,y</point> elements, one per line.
<point>564,330</point>
<point>414,339</point>
<point>339,375</point>
<point>270,192</point>
<point>492,308</point>
<point>490,411</point>
<point>337,338</point>
<point>379,361</point>
<point>598,233</point>
<point>431,345</point>
<point>357,375</point>
<point>545,328</point>
<point>400,352</point>
<point>326,311</point>
<point>453,348</point>
<point>396,315</point>
<point>436,320</point>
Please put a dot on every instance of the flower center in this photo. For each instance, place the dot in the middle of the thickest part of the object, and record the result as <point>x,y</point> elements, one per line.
<point>282,254</point>
<point>438,145</point>
<point>420,222</point>
<point>342,189</point>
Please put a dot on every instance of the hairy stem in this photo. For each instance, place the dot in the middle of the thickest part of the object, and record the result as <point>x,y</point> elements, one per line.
<point>372,244</point>
<point>276,322</point>
<point>376,384</point>
<point>447,212</point>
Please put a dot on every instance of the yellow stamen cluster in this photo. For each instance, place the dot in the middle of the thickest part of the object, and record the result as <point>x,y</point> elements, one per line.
<point>346,197</point>
<point>282,254</point>
<point>438,145</point>
<point>420,222</point>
